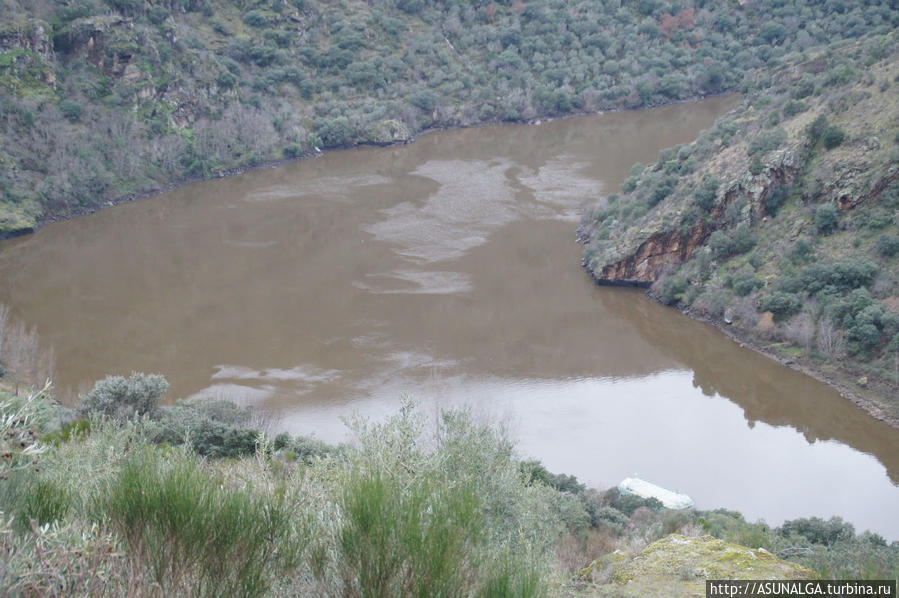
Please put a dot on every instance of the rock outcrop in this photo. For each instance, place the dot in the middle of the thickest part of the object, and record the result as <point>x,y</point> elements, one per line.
<point>678,566</point>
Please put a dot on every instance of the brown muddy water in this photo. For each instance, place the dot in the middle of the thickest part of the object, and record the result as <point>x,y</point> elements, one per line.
<point>447,270</point>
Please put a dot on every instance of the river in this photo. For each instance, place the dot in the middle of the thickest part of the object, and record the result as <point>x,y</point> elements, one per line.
<point>447,270</point>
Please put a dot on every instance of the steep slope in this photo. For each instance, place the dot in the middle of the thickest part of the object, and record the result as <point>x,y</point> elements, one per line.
<point>780,224</point>
<point>101,99</point>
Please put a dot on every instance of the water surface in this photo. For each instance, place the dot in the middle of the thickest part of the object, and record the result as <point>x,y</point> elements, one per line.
<point>447,270</point>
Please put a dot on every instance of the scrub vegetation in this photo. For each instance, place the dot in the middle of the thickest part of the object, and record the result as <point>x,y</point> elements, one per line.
<point>100,99</point>
<point>95,504</point>
<point>780,223</point>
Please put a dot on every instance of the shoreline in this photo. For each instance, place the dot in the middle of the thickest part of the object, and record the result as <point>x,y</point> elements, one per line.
<point>870,407</point>
<point>149,193</point>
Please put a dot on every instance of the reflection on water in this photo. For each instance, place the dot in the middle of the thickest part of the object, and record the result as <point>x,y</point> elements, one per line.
<point>447,269</point>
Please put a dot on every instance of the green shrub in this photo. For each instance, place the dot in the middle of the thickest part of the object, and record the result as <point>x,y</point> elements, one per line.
<point>630,183</point>
<point>118,398</point>
<point>28,497</point>
<point>426,100</point>
<point>765,141</point>
<point>744,281</point>
<point>673,288</point>
<point>775,198</point>
<point>739,241</point>
<point>780,303</point>
<point>832,136</point>
<point>43,501</point>
<point>158,14</point>
<point>394,537</point>
<point>191,532</point>
<point>888,244</point>
<point>255,18</point>
<point>704,198</point>
<point>443,522</point>
<point>800,252</point>
<point>662,190</point>
<point>874,217</point>
<point>756,165</point>
<point>793,107</point>
<point>534,471</point>
<point>628,503</point>
<point>71,110</point>
<point>212,428</point>
<point>826,218</point>
<point>842,275</point>
<point>815,129</point>
<point>610,518</point>
<point>818,531</point>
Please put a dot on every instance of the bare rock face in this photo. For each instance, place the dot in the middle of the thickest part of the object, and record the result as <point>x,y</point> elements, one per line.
<point>107,41</point>
<point>32,36</point>
<point>658,253</point>
<point>657,243</point>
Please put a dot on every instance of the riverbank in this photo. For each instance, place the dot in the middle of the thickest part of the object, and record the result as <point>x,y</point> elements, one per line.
<point>775,226</point>
<point>52,216</point>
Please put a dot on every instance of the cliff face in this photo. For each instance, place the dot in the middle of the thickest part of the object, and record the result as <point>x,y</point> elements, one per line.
<point>781,223</point>
<point>663,251</point>
<point>658,247</point>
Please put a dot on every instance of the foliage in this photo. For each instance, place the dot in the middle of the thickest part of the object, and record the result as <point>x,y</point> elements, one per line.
<point>705,195</point>
<point>888,245</point>
<point>725,245</point>
<point>766,141</point>
<point>400,513</point>
<point>775,199</point>
<point>832,136</point>
<point>780,303</point>
<point>188,530</point>
<point>744,281</point>
<point>826,219</point>
<point>244,66</point>
<point>119,398</point>
<point>673,288</point>
<point>841,275</point>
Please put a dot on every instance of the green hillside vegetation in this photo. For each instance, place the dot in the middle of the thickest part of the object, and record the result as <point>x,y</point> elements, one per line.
<point>125,497</point>
<point>101,99</point>
<point>780,223</point>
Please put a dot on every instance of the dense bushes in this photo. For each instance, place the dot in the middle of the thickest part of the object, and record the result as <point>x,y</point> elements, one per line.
<point>826,219</point>
<point>841,275</point>
<point>119,398</point>
<point>888,245</point>
<point>725,245</point>
<point>780,303</point>
<point>459,65</point>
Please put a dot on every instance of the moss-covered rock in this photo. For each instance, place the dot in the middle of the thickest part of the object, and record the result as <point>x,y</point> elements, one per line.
<point>678,566</point>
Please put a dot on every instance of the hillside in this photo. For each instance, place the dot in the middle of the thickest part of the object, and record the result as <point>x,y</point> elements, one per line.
<point>780,224</point>
<point>104,99</point>
<point>126,497</point>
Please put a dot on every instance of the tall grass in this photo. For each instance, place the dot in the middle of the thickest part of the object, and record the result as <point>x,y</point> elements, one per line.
<point>397,541</point>
<point>196,536</point>
<point>422,516</point>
